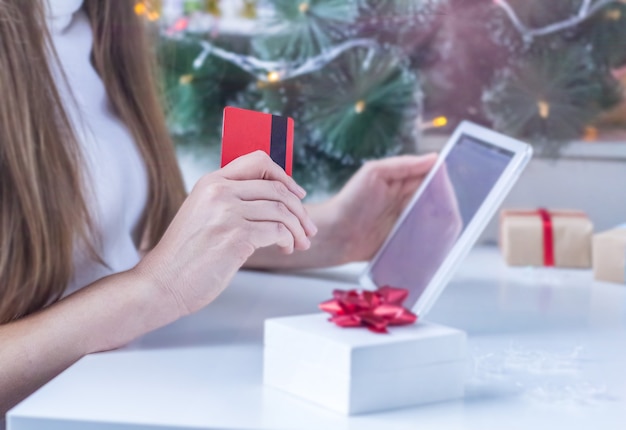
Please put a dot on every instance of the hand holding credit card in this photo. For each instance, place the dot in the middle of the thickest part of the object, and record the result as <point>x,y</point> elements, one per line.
<point>245,131</point>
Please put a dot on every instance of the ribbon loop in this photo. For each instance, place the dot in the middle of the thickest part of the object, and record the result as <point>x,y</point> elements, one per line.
<point>375,310</point>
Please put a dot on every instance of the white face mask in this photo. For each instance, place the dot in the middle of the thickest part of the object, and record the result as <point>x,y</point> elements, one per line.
<point>59,12</point>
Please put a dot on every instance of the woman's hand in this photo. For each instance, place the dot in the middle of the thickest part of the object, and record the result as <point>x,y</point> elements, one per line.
<point>359,218</point>
<point>249,204</point>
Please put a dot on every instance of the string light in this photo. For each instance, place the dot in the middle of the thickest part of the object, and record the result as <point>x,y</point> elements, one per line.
<point>544,109</point>
<point>185,79</point>
<point>591,134</point>
<point>360,106</point>
<point>587,9</point>
<point>212,7</point>
<point>140,8</point>
<point>438,122</point>
<point>249,9</point>
<point>260,68</point>
<point>273,77</point>
<point>148,10</point>
<point>613,14</point>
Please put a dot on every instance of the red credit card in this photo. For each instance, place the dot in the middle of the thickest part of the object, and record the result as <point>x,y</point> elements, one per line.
<point>245,131</point>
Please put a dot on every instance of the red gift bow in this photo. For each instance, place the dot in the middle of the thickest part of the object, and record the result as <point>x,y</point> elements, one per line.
<point>548,229</point>
<point>372,309</point>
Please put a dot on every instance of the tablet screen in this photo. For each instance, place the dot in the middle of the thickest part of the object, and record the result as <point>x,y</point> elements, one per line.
<point>439,216</point>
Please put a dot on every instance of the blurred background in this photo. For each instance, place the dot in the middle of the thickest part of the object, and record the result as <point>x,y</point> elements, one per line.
<point>366,79</point>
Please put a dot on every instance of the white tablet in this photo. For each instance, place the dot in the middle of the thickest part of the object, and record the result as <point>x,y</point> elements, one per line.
<point>474,173</point>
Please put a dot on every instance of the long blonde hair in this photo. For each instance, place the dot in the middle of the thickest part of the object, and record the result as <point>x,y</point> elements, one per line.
<point>42,193</point>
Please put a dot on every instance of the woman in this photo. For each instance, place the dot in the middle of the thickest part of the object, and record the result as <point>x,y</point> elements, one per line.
<point>98,242</point>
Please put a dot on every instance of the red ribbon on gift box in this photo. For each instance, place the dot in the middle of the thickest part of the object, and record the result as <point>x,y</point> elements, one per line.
<point>548,229</point>
<point>375,310</point>
<point>548,237</point>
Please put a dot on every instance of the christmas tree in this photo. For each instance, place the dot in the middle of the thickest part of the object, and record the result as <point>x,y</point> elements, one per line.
<point>362,78</point>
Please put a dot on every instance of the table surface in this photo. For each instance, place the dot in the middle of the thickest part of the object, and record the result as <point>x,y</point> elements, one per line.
<point>547,350</point>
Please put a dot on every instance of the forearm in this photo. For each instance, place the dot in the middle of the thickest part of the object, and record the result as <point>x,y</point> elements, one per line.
<point>327,247</point>
<point>106,315</point>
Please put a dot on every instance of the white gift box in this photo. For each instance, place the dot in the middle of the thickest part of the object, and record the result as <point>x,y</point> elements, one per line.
<point>352,370</point>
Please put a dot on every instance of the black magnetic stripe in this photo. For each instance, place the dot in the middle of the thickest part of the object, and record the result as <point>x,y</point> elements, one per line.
<point>278,142</point>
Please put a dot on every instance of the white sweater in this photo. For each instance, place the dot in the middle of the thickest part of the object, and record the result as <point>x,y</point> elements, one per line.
<point>117,180</point>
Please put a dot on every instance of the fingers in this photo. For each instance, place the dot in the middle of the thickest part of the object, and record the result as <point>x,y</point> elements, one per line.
<point>276,191</point>
<point>277,212</point>
<point>266,203</point>
<point>268,233</point>
<point>403,167</point>
<point>408,190</point>
<point>258,165</point>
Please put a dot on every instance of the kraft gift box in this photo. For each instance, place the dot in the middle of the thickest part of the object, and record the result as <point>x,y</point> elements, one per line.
<point>560,238</point>
<point>353,371</point>
<point>609,255</point>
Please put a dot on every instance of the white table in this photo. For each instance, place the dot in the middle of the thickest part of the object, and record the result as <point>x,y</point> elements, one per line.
<point>548,350</point>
